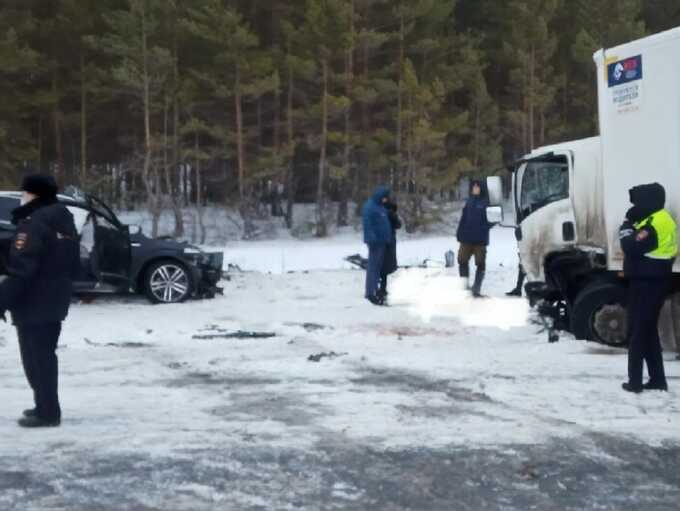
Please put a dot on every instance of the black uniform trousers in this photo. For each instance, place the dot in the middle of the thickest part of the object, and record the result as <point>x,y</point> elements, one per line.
<point>38,344</point>
<point>645,301</point>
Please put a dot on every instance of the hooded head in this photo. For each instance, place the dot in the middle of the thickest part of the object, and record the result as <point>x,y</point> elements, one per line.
<point>40,186</point>
<point>380,194</point>
<point>477,186</point>
<point>648,198</point>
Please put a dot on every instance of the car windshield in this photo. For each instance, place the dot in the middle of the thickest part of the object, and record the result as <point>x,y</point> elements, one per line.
<point>543,183</point>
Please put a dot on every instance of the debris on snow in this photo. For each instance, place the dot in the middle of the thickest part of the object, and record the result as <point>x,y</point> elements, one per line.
<point>311,327</point>
<point>238,334</point>
<point>331,355</point>
<point>124,344</point>
<point>358,261</point>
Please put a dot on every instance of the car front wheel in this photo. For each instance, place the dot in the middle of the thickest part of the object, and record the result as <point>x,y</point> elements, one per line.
<point>167,282</point>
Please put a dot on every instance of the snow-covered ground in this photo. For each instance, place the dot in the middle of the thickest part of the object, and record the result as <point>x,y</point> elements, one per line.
<point>437,402</point>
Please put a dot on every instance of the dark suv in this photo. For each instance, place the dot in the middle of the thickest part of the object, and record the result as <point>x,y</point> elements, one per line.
<point>116,260</point>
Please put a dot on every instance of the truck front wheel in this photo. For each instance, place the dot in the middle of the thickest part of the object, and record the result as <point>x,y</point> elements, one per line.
<point>599,314</point>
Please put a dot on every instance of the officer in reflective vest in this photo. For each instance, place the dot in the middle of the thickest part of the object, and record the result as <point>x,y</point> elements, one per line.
<point>650,246</point>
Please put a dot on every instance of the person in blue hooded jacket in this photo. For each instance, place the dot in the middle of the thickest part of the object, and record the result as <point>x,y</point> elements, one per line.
<point>378,235</point>
<point>473,236</point>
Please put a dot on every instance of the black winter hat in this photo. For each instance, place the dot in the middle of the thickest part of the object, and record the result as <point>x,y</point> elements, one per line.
<point>40,185</point>
<point>649,197</point>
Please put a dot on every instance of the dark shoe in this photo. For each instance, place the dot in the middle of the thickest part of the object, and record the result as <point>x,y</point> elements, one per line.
<point>514,292</point>
<point>477,286</point>
<point>31,412</point>
<point>38,422</point>
<point>655,386</point>
<point>630,388</point>
<point>376,300</point>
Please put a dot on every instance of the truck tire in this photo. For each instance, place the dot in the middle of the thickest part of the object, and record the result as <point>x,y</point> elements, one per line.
<point>167,282</point>
<point>599,314</point>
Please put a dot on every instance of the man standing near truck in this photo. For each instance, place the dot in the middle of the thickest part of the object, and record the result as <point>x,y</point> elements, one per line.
<point>649,242</point>
<point>473,236</point>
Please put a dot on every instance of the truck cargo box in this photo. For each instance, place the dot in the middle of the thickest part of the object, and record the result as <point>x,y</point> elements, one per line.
<point>639,112</point>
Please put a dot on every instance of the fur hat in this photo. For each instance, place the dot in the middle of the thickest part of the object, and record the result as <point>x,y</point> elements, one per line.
<point>40,185</point>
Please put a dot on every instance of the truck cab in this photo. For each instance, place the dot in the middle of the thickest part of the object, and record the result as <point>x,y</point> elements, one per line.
<point>570,198</point>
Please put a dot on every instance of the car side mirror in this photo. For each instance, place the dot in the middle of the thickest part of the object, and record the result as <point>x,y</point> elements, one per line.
<point>494,186</point>
<point>494,214</point>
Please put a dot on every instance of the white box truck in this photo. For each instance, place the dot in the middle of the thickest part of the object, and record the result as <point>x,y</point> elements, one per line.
<point>571,198</point>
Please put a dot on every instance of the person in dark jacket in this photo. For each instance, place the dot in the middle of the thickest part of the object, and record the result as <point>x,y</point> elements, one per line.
<point>377,236</point>
<point>42,263</point>
<point>473,236</point>
<point>390,264</point>
<point>649,242</point>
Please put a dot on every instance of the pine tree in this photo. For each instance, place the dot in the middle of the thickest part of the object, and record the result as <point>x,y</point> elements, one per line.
<point>239,70</point>
<point>602,24</point>
<point>17,63</point>
<point>530,47</point>
<point>142,70</point>
<point>328,33</point>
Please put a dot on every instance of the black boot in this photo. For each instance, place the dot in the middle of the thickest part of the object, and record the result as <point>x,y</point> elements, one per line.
<point>376,300</point>
<point>650,385</point>
<point>518,288</point>
<point>31,412</point>
<point>382,290</point>
<point>477,286</point>
<point>38,422</point>
<point>628,387</point>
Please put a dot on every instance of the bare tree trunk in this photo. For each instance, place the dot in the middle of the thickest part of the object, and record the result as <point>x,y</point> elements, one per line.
<point>239,136</point>
<point>259,124</point>
<point>477,132</point>
<point>365,128</point>
<point>200,211</point>
<point>244,206</point>
<point>83,122</point>
<point>40,142</point>
<point>400,99</point>
<point>168,165</point>
<point>58,143</point>
<point>321,226</point>
<point>343,215</point>
<point>290,178</point>
<point>532,98</point>
<point>277,121</point>
<point>148,174</point>
<point>173,169</point>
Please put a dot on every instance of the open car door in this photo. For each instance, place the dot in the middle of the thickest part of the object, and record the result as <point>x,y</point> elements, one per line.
<point>112,248</point>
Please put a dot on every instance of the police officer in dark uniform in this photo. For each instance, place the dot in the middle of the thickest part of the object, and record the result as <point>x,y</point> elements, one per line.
<point>43,261</point>
<point>649,242</point>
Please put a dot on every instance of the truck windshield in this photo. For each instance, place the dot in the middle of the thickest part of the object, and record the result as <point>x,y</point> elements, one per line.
<point>543,183</point>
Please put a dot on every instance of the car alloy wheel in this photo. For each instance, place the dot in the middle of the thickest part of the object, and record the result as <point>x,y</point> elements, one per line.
<point>169,283</point>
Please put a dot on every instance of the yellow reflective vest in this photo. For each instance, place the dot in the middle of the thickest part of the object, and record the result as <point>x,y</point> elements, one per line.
<point>666,233</point>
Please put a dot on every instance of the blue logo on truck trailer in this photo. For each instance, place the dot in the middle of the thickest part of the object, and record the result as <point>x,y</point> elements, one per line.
<point>625,71</point>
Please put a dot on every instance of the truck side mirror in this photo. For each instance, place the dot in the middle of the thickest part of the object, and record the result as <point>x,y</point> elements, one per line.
<point>494,214</point>
<point>494,186</point>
